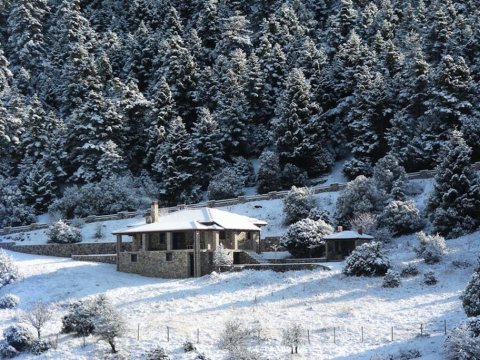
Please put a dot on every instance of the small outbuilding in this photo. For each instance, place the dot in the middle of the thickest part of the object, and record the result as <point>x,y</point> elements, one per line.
<point>181,244</point>
<point>340,244</point>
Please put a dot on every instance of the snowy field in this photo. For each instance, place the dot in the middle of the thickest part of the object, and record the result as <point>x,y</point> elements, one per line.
<point>319,300</point>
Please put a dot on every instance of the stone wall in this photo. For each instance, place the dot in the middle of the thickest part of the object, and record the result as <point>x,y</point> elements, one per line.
<point>100,258</point>
<point>280,267</point>
<point>67,250</point>
<point>155,264</point>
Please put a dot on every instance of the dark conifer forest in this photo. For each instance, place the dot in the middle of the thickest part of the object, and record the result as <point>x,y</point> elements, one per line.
<point>171,98</point>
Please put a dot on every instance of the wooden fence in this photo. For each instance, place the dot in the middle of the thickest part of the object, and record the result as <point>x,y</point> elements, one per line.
<point>422,174</point>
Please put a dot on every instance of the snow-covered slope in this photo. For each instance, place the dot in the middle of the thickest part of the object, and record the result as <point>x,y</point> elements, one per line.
<point>318,300</point>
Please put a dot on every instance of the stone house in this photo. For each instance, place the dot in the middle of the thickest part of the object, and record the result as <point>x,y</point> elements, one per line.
<point>181,244</point>
<point>340,244</point>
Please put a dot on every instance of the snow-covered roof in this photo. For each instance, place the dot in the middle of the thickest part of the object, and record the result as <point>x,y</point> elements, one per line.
<point>347,235</point>
<point>198,219</point>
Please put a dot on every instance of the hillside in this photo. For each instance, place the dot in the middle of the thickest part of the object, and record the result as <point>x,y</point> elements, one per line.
<point>319,300</point>
<point>176,98</point>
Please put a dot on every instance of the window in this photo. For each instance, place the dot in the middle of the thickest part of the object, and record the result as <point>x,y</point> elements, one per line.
<point>133,257</point>
<point>168,256</point>
<point>178,241</point>
<point>249,235</point>
<point>222,235</point>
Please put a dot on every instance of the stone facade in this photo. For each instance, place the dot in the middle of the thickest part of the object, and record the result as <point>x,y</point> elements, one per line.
<point>100,258</point>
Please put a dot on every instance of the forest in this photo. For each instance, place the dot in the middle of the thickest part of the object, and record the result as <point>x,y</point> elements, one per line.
<point>171,98</point>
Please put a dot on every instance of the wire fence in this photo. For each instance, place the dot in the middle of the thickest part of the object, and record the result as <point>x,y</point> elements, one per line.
<point>422,174</point>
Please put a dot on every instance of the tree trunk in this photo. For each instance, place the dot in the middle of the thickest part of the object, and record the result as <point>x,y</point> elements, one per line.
<point>112,344</point>
<point>296,349</point>
<point>39,334</point>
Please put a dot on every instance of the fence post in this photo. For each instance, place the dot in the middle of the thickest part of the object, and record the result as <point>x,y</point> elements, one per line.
<point>138,332</point>
<point>198,336</point>
<point>362,332</point>
<point>334,336</point>
<point>421,329</point>
<point>392,333</point>
<point>168,334</point>
<point>308,336</point>
<point>445,326</point>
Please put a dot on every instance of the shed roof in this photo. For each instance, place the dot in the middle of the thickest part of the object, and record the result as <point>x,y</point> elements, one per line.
<point>197,219</point>
<point>347,235</point>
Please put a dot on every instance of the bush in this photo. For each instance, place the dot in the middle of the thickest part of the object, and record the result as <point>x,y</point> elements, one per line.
<point>99,231</point>
<point>221,257</point>
<point>367,260</point>
<point>429,278</point>
<point>19,337</point>
<point>268,177</point>
<point>13,208</point>
<point>158,353</point>
<point>234,336</point>
<point>244,168</point>
<point>390,176</point>
<point>80,317</point>
<point>9,301</point>
<point>40,346</point>
<point>108,323</point>
<point>463,342</point>
<point>354,168</point>
<point>297,204</point>
<point>360,196</point>
<point>7,351</point>
<point>316,214</point>
<point>62,233</point>
<point>471,295</point>
<point>292,175</point>
<point>188,346</point>
<point>391,279</point>
<point>305,237</point>
<point>401,217</point>
<point>431,248</point>
<point>8,270</point>
<point>108,196</point>
<point>293,336</point>
<point>226,185</point>
<point>409,271</point>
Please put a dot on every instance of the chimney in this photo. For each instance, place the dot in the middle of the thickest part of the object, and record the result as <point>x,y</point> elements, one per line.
<point>360,230</point>
<point>339,228</point>
<point>148,218</point>
<point>154,211</point>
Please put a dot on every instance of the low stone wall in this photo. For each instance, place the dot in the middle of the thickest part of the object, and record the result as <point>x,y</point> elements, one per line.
<point>280,267</point>
<point>7,245</point>
<point>67,250</point>
<point>106,258</point>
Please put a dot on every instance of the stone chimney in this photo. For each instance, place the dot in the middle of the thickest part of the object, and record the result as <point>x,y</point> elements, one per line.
<point>154,212</point>
<point>360,230</point>
<point>339,228</point>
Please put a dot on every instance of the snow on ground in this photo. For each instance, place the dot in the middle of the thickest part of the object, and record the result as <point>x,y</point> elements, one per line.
<point>319,300</point>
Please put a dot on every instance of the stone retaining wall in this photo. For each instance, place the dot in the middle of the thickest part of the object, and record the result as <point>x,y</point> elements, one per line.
<point>106,258</point>
<point>67,250</point>
<point>280,267</point>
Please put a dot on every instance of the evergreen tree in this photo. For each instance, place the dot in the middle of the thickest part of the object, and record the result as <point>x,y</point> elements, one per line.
<point>268,177</point>
<point>454,203</point>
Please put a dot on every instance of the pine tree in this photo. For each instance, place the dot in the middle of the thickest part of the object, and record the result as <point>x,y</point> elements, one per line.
<point>268,177</point>
<point>206,147</point>
<point>454,203</point>
<point>38,187</point>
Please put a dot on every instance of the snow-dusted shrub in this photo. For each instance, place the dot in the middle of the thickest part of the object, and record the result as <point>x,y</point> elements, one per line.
<point>234,336</point>
<point>243,354</point>
<point>359,196</point>
<point>402,354</point>
<point>8,270</point>
<point>7,351</point>
<point>202,356</point>
<point>317,214</point>
<point>297,204</point>
<point>19,337</point>
<point>222,257</point>
<point>62,233</point>
<point>401,217</point>
<point>429,278</point>
<point>81,315</point>
<point>268,177</point>
<point>305,237</point>
<point>13,208</point>
<point>382,235</point>
<point>9,301</point>
<point>390,176</point>
<point>292,175</point>
<point>158,353</point>
<point>189,346</point>
<point>471,295</point>
<point>463,342</point>
<point>38,315</point>
<point>77,222</point>
<point>108,196</point>
<point>367,260</point>
<point>391,279</point>
<point>409,271</point>
<point>39,346</point>
<point>244,168</point>
<point>293,336</point>
<point>355,168</point>
<point>226,184</point>
<point>365,221</point>
<point>98,231</point>
<point>431,247</point>
<point>108,323</point>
